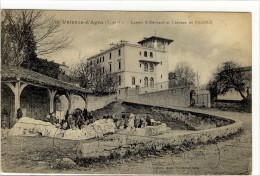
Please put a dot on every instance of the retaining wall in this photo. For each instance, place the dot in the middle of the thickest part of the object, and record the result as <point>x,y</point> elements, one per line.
<point>175,97</point>
<point>97,102</point>
<point>121,144</point>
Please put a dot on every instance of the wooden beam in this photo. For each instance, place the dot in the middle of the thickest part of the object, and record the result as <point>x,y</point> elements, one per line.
<point>17,89</point>
<point>69,97</point>
<point>51,94</point>
<point>22,86</point>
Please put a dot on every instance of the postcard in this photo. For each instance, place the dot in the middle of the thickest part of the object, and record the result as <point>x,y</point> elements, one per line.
<point>126,92</point>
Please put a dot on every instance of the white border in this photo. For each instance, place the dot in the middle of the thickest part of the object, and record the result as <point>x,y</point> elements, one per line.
<point>136,5</point>
<point>161,5</point>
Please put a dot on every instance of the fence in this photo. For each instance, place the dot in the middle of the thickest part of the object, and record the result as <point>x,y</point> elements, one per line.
<point>202,100</point>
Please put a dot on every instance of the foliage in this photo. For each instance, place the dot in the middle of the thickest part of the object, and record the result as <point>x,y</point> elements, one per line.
<point>182,75</point>
<point>27,34</point>
<point>228,77</point>
<point>17,39</point>
<point>43,66</point>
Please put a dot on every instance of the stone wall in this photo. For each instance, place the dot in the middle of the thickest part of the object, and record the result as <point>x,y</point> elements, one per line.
<point>7,106</point>
<point>34,100</point>
<point>233,105</point>
<point>125,144</point>
<point>97,102</point>
<point>177,97</point>
<point>93,102</point>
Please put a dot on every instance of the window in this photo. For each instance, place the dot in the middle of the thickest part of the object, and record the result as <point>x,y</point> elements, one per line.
<point>151,82</point>
<point>161,63</point>
<point>140,53</point>
<point>103,70</point>
<point>119,52</point>
<point>140,65</point>
<point>103,58</point>
<point>119,92</point>
<point>145,67</point>
<point>151,54</point>
<point>133,80</point>
<point>145,54</point>
<point>100,60</point>
<point>91,62</point>
<point>110,55</point>
<point>119,64</point>
<point>140,81</point>
<point>151,67</point>
<point>110,67</point>
<point>161,76</point>
<point>97,61</point>
<point>119,80</point>
<point>145,81</point>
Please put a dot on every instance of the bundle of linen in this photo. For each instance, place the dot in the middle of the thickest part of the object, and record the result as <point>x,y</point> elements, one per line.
<point>106,125</point>
<point>94,130</point>
<point>27,126</point>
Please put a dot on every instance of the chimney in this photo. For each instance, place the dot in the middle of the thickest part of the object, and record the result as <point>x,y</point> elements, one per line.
<point>112,44</point>
<point>63,63</point>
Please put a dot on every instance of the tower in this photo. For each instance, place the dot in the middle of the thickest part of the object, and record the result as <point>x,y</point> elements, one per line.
<point>155,42</point>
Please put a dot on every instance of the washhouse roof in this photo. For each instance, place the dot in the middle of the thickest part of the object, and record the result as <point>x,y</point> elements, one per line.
<point>17,73</point>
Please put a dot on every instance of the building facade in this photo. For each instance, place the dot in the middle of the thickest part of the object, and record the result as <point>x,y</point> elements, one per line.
<point>144,64</point>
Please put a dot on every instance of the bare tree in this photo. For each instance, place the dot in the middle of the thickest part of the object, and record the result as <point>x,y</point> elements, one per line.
<point>95,77</point>
<point>182,75</point>
<point>27,33</point>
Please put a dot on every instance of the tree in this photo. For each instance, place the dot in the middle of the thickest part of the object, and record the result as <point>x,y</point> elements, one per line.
<point>182,75</point>
<point>228,77</point>
<point>27,34</point>
<point>17,41</point>
<point>94,77</point>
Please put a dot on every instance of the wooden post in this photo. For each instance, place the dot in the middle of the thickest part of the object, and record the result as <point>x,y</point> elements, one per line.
<point>85,97</point>
<point>51,96</point>
<point>69,97</point>
<point>17,89</point>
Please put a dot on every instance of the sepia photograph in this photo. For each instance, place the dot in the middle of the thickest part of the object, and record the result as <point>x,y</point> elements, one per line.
<point>123,92</point>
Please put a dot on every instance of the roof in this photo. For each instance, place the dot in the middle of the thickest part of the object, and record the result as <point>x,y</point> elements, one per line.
<point>153,38</point>
<point>116,46</point>
<point>106,50</point>
<point>29,76</point>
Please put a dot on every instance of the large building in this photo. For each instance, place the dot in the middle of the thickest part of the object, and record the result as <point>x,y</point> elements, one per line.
<point>144,64</point>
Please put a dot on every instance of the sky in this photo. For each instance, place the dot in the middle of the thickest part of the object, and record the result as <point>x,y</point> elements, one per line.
<point>203,40</point>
